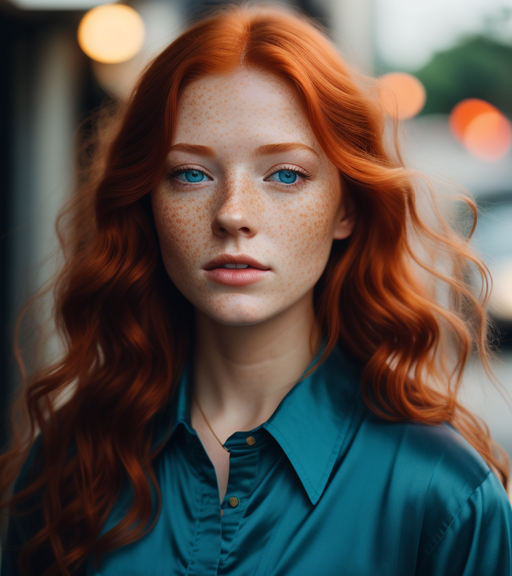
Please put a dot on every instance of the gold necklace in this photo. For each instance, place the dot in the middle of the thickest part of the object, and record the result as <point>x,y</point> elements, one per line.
<point>208,424</point>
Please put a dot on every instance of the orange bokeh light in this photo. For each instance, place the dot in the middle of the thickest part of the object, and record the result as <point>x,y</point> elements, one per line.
<point>481,128</point>
<point>402,95</point>
<point>465,112</point>
<point>488,136</point>
<point>111,33</point>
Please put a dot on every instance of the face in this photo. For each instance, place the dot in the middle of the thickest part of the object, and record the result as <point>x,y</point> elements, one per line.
<point>228,189</point>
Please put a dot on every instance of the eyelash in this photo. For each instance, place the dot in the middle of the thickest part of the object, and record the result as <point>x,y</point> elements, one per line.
<point>299,182</point>
<point>303,176</point>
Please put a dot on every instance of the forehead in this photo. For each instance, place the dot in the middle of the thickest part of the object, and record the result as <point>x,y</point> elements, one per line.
<point>245,102</point>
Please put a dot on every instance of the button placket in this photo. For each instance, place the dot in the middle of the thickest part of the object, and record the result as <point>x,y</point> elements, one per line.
<point>206,551</point>
<point>241,483</point>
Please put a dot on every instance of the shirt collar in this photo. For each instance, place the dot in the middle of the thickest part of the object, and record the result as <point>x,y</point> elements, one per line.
<point>310,424</point>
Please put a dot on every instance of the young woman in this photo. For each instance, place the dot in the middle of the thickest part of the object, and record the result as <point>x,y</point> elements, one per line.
<point>263,381</point>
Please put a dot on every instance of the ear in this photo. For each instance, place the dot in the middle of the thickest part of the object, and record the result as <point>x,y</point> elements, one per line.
<point>346,222</point>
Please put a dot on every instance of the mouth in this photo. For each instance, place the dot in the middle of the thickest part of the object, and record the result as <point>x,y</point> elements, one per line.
<point>242,272</point>
<point>235,262</point>
<point>236,267</point>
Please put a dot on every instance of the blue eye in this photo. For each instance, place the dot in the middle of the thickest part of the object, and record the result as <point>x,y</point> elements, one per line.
<point>286,176</point>
<point>192,176</point>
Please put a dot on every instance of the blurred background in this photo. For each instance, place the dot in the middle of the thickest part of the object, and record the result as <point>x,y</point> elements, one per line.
<point>444,69</point>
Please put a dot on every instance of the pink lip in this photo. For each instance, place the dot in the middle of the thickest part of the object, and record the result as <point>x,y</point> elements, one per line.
<point>237,277</point>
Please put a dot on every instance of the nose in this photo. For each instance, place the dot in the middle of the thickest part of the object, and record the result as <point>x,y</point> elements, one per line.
<point>236,210</point>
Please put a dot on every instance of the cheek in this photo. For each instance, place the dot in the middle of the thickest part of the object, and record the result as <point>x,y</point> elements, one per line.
<point>316,217</point>
<point>306,233</point>
<point>180,231</point>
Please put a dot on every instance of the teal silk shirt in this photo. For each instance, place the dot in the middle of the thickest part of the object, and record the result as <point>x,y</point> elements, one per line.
<point>323,488</point>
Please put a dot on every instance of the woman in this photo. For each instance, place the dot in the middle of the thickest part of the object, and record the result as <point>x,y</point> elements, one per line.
<point>262,371</point>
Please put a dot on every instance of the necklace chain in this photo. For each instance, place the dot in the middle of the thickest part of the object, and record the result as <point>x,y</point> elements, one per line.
<point>208,424</point>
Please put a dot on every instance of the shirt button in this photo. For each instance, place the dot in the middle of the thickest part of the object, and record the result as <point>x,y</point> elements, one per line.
<point>222,511</point>
<point>233,501</point>
<point>251,440</point>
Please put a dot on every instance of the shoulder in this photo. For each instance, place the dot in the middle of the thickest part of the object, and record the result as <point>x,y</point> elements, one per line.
<point>450,467</point>
<point>466,508</point>
<point>451,457</point>
<point>467,518</point>
<point>438,452</point>
<point>463,511</point>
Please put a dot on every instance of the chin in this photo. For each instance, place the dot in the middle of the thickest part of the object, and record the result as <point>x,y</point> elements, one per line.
<point>237,313</point>
<point>237,318</point>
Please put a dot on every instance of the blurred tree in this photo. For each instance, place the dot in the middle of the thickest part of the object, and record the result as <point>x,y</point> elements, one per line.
<point>479,67</point>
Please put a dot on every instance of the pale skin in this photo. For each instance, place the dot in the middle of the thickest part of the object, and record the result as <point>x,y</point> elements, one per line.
<point>252,342</point>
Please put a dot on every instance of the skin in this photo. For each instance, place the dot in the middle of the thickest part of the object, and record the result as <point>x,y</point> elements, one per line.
<point>252,342</point>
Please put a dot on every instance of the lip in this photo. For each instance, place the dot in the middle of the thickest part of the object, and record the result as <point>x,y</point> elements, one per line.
<point>240,277</point>
<point>235,277</point>
<point>219,261</point>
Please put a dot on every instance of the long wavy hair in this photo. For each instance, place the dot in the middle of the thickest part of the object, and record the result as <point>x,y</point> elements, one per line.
<point>126,329</point>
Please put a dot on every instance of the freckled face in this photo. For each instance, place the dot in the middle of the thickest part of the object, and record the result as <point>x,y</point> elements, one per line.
<point>283,209</point>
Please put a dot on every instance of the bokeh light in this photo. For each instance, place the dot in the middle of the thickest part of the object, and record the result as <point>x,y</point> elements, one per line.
<point>465,112</point>
<point>402,95</point>
<point>481,128</point>
<point>488,136</point>
<point>111,33</point>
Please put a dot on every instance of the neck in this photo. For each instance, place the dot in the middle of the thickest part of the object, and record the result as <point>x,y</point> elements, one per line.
<point>241,373</point>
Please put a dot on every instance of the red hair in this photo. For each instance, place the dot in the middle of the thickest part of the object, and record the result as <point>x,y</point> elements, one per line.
<point>126,328</point>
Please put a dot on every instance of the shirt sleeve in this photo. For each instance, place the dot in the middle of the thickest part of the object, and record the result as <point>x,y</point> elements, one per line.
<point>478,541</point>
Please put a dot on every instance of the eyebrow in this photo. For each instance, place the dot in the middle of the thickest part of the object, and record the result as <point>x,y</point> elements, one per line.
<point>285,147</point>
<point>261,151</point>
<point>193,149</point>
